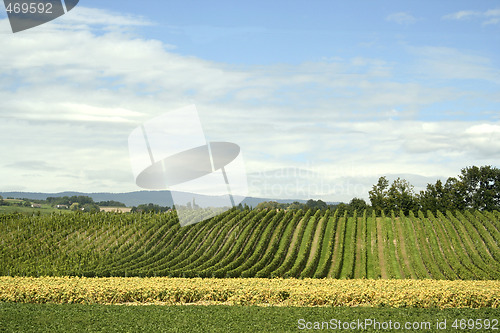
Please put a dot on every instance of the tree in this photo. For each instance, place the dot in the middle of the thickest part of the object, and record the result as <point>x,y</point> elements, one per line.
<point>401,196</point>
<point>111,203</point>
<point>81,200</point>
<point>378,195</point>
<point>296,205</point>
<point>270,205</point>
<point>433,198</point>
<point>454,197</point>
<point>475,188</point>
<point>481,187</point>
<point>150,208</point>
<point>357,204</point>
<point>91,208</point>
<point>341,208</point>
<point>316,204</point>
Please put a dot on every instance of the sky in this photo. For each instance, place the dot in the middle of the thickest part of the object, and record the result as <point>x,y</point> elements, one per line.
<point>323,97</point>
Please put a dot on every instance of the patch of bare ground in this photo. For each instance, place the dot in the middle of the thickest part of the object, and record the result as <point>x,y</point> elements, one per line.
<point>381,259</point>
<point>294,238</point>
<point>315,245</point>
<point>360,242</point>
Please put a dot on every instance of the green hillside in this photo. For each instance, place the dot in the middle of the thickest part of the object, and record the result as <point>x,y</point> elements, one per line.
<point>254,243</point>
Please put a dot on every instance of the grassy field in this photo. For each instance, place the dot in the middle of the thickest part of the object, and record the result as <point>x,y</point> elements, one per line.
<point>44,209</point>
<point>151,318</point>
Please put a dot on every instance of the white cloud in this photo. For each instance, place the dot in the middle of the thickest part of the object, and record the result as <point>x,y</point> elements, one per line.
<point>483,129</point>
<point>359,153</point>
<point>491,16</point>
<point>492,21</point>
<point>402,18</point>
<point>93,113</point>
<point>91,17</point>
<point>451,63</point>
<point>492,12</point>
<point>479,140</point>
<point>463,14</point>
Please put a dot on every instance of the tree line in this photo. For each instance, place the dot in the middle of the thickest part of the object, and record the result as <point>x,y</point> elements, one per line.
<point>475,188</point>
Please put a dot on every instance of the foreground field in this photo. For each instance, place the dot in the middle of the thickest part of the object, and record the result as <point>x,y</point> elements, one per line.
<point>251,291</point>
<point>116,318</point>
<point>254,243</point>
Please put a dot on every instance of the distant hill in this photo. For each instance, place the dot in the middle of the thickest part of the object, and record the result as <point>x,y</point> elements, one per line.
<point>162,198</point>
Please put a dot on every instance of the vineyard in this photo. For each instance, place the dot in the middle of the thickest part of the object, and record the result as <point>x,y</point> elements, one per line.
<point>254,243</point>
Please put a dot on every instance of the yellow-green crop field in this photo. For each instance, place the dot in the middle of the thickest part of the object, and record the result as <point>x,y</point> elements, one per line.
<point>252,291</point>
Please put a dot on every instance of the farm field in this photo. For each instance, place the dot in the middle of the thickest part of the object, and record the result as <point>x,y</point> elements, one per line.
<point>43,210</point>
<point>221,318</point>
<point>253,291</point>
<point>254,243</point>
<point>250,270</point>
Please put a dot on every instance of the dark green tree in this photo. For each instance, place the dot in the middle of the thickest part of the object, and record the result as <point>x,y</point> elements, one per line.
<point>341,208</point>
<point>454,195</point>
<point>316,204</point>
<point>481,187</point>
<point>296,205</point>
<point>357,204</point>
<point>270,205</point>
<point>150,208</point>
<point>378,195</point>
<point>111,203</point>
<point>401,196</point>
<point>433,198</point>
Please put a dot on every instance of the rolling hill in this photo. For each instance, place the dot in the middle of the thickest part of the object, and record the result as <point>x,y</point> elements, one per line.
<point>254,243</point>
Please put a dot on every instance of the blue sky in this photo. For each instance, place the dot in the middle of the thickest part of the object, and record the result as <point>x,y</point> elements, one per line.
<point>260,32</point>
<point>323,97</point>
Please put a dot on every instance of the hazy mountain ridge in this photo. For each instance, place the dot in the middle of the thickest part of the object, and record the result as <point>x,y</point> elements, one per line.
<point>162,198</point>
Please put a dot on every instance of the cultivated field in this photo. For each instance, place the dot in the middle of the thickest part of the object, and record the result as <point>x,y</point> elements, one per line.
<point>254,243</point>
<point>253,291</point>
